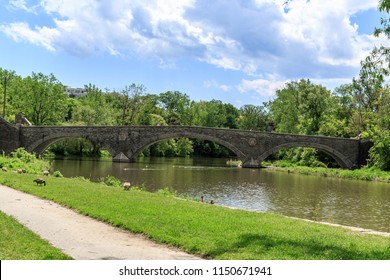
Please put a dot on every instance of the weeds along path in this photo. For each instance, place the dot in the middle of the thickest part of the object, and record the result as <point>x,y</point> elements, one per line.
<point>81,237</point>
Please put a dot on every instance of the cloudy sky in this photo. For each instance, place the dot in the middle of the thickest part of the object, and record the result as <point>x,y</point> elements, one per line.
<point>237,51</point>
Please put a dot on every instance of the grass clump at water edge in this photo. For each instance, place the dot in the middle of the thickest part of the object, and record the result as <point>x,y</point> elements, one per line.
<point>364,173</point>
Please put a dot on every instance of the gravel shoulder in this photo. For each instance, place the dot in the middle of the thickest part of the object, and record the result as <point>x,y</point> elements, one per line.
<point>81,237</point>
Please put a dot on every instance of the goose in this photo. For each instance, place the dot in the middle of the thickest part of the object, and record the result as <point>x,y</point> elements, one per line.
<point>40,181</point>
<point>126,186</point>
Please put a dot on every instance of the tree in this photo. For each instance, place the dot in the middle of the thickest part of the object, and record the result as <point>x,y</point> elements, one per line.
<point>380,152</point>
<point>93,108</point>
<point>176,105</point>
<point>41,98</point>
<point>232,114</point>
<point>214,114</point>
<point>372,96</point>
<point>304,108</point>
<point>253,118</point>
<point>130,104</point>
<point>299,107</point>
<point>7,78</point>
<point>338,119</point>
<point>150,113</point>
<point>384,6</point>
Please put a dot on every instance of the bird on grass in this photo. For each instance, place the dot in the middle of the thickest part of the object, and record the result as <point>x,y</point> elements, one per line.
<point>40,181</point>
<point>126,186</point>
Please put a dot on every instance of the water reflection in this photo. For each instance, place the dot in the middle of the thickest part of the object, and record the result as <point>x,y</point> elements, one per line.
<point>348,202</point>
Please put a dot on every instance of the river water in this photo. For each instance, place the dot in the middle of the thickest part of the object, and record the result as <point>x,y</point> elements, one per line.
<point>347,202</point>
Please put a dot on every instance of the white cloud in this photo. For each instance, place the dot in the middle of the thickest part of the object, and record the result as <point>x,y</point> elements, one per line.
<point>22,5</point>
<point>325,30</point>
<point>41,36</point>
<point>304,38</point>
<point>263,87</point>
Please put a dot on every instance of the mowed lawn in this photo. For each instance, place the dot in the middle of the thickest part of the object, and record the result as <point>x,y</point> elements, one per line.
<point>207,230</point>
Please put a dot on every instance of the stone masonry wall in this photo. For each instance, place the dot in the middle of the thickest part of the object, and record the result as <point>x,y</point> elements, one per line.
<point>9,137</point>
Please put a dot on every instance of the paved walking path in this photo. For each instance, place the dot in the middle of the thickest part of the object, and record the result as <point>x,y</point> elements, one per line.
<point>81,237</point>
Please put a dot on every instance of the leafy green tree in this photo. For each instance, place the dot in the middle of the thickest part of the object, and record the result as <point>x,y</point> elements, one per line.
<point>367,89</point>
<point>94,108</point>
<point>8,80</point>
<point>41,98</point>
<point>212,113</point>
<point>384,6</point>
<point>176,105</point>
<point>232,114</point>
<point>130,101</point>
<point>184,147</point>
<point>383,119</point>
<point>372,85</point>
<point>338,118</point>
<point>299,107</point>
<point>380,152</point>
<point>305,108</point>
<point>166,148</point>
<point>253,118</point>
<point>285,109</point>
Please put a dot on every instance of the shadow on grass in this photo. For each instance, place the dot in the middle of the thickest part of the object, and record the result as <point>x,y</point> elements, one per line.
<point>267,247</point>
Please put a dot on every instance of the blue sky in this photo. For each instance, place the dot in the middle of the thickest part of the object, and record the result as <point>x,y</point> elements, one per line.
<point>237,51</point>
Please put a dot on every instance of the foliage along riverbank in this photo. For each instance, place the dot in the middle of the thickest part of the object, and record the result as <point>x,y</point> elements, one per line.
<point>364,173</point>
<point>200,228</point>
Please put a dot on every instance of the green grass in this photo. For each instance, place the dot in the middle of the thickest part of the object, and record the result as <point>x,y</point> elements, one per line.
<point>207,230</point>
<point>365,173</point>
<point>19,243</point>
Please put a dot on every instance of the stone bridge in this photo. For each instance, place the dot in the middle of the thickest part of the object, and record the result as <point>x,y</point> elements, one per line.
<point>125,143</point>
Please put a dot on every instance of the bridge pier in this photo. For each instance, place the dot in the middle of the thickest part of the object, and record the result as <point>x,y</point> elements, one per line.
<point>251,163</point>
<point>121,157</point>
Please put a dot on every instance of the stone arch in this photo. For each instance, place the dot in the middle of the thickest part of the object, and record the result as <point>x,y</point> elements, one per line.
<point>343,161</point>
<point>185,134</point>
<point>40,146</point>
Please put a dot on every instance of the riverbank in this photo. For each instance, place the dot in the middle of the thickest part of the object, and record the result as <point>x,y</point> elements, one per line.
<point>204,229</point>
<point>364,173</point>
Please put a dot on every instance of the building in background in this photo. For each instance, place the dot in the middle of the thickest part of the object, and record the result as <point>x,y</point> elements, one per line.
<point>75,92</point>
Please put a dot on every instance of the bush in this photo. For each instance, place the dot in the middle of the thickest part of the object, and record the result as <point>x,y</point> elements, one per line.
<point>380,152</point>
<point>57,174</point>
<point>23,155</point>
<point>21,159</point>
<point>112,181</point>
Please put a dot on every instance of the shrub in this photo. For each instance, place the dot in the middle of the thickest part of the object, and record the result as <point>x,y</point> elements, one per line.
<point>58,174</point>
<point>21,159</point>
<point>23,155</point>
<point>112,181</point>
<point>380,152</point>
